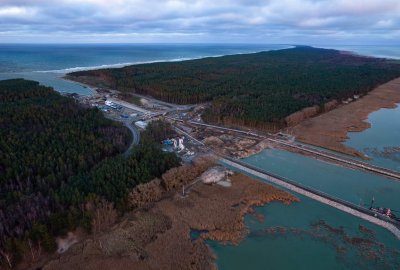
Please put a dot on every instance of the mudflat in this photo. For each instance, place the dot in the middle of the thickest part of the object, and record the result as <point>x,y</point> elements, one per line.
<point>330,130</point>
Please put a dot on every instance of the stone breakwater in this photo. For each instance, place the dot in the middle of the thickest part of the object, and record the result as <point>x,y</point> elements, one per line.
<point>323,199</point>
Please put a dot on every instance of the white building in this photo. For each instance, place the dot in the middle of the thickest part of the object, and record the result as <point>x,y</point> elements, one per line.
<point>141,124</point>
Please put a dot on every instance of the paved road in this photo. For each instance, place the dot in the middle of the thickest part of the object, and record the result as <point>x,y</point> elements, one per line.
<point>130,106</point>
<point>135,137</point>
<point>355,210</point>
<point>346,161</point>
<point>172,106</point>
<point>135,132</point>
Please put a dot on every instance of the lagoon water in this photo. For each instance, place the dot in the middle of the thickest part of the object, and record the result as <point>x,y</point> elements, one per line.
<point>381,142</point>
<point>305,235</point>
<point>351,185</point>
<point>310,235</point>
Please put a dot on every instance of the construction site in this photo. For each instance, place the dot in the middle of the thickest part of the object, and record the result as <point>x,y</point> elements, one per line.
<point>194,137</point>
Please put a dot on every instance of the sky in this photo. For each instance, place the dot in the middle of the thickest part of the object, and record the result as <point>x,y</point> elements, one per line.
<point>201,21</point>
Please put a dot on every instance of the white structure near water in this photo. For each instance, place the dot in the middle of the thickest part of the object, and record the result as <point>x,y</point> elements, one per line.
<point>141,124</point>
<point>213,175</point>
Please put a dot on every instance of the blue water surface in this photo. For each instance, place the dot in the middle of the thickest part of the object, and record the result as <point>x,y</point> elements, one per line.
<point>48,63</point>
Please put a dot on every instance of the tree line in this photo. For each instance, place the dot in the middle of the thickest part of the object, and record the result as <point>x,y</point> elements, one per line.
<point>254,89</point>
<point>57,160</point>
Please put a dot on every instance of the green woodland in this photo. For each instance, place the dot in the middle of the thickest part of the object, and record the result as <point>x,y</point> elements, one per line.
<point>56,157</point>
<point>258,89</point>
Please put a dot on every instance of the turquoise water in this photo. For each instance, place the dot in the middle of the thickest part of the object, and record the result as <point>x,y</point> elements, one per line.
<point>311,235</point>
<point>305,235</point>
<point>48,63</point>
<point>354,186</point>
<point>381,142</point>
<point>308,235</point>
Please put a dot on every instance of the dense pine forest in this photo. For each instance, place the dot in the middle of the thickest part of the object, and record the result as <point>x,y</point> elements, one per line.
<point>252,89</point>
<point>59,162</point>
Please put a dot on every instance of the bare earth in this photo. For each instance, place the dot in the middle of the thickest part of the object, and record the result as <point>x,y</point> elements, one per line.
<point>329,130</point>
<point>158,235</point>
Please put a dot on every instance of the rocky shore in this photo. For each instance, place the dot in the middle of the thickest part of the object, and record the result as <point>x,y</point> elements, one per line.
<point>330,130</point>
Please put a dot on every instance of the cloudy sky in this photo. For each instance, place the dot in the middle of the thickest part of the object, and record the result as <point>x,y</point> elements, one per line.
<point>217,21</point>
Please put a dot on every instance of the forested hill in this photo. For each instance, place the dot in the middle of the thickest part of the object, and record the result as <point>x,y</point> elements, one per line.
<point>252,89</point>
<point>57,158</point>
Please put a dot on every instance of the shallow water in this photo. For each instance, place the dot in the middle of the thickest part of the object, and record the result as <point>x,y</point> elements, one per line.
<point>50,79</point>
<point>381,142</point>
<point>309,235</point>
<point>305,242</point>
<point>351,185</point>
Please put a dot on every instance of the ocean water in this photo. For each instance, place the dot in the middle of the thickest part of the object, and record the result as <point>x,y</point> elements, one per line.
<point>305,235</point>
<point>48,63</point>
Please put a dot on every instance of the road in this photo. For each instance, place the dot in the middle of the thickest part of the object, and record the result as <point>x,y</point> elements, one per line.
<point>345,161</point>
<point>130,106</point>
<point>135,132</point>
<point>172,106</point>
<point>341,159</point>
<point>135,137</point>
<point>355,210</point>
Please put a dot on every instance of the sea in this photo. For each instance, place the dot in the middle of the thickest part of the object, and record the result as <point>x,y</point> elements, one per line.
<point>49,63</point>
<point>304,235</point>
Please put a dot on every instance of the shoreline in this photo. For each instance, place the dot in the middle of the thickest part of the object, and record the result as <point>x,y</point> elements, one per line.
<point>66,71</point>
<point>330,130</point>
<point>314,131</point>
<point>159,235</point>
<point>92,89</point>
<point>64,74</point>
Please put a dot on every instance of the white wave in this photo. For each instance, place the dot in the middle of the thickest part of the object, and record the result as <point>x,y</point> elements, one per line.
<point>120,65</point>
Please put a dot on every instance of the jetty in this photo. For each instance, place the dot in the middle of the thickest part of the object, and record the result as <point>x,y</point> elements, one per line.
<point>356,210</point>
<point>314,152</point>
<point>352,209</point>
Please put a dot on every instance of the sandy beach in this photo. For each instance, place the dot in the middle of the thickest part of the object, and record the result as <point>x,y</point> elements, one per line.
<point>330,130</point>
